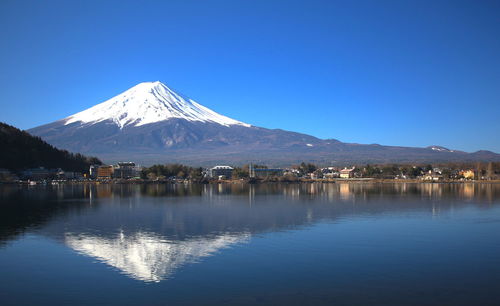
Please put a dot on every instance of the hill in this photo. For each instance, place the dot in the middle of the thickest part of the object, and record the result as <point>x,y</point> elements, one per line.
<point>20,150</point>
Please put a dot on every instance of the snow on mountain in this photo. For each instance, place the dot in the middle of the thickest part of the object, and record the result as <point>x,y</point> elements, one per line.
<point>150,123</point>
<point>439,149</point>
<point>146,103</point>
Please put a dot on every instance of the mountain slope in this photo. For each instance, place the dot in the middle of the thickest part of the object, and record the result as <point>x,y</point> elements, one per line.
<point>150,123</point>
<point>146,103</point>
<point>20,150</point>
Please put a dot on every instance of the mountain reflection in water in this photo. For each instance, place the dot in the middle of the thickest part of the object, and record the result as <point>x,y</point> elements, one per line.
<point>145,256</point>
<point>147,232</point>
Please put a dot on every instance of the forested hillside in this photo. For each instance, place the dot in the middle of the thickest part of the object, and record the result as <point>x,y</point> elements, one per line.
<point>20,150</point>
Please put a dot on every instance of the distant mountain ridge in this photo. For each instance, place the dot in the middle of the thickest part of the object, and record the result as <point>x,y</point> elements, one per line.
<point>150,123</point>
<point>20,150</point>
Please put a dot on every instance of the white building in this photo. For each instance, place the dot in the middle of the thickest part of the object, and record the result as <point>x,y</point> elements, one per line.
<point>221,172</point>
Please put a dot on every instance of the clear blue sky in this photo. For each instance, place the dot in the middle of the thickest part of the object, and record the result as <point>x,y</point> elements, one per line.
<point>412,73</point>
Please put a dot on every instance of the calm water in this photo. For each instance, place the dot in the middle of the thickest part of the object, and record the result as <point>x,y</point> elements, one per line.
<point>309,244</point>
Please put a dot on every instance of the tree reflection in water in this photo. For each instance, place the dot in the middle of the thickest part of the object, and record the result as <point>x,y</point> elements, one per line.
<point>148,231</point>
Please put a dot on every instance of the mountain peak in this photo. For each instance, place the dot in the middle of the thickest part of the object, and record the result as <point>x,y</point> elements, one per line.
<point>146,103</point>
<point>154,84</point>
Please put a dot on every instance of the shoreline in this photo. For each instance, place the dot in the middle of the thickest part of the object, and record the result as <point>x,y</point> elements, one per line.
<point>248,181</point>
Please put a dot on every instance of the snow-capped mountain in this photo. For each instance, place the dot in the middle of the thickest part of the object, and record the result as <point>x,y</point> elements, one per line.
<point>150,123</point>
<point>147,103</point>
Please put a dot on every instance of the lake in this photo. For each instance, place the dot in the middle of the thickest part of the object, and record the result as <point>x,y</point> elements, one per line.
<point>239,244</point>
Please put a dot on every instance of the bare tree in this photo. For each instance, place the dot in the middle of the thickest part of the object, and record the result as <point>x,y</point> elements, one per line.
<point>489,171</point>
<point>478,170</point>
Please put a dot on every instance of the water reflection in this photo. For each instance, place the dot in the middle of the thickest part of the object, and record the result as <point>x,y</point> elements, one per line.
<point>340,191</point>
<point>149,231</point>
<point>147,256</point>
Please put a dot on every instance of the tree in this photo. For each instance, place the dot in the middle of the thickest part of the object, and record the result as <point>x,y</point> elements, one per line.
<point>318,173</point>
<point>196,173</point>
<point>416,171</point>
<point>446,173</point>
<point>479,171</point>
<point>307,168</point>
<point>241,172</point>
<point>20,150</point>
<point>489,171</point>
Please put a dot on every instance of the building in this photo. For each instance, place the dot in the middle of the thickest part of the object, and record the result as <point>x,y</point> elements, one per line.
<point>347,173</point>
<point>93,171</point>
<point>291,172</point>
<point>105,172</point>
<point>437,170</point>
<point>330,172</point>
<point>467,174</point>
<point>221,172</point>
<point>38,174</point>
<point>265,172</point>
<point>125,170</point>
<point>432,176</point>
<point>68,175</point>
<point>331,175</point>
